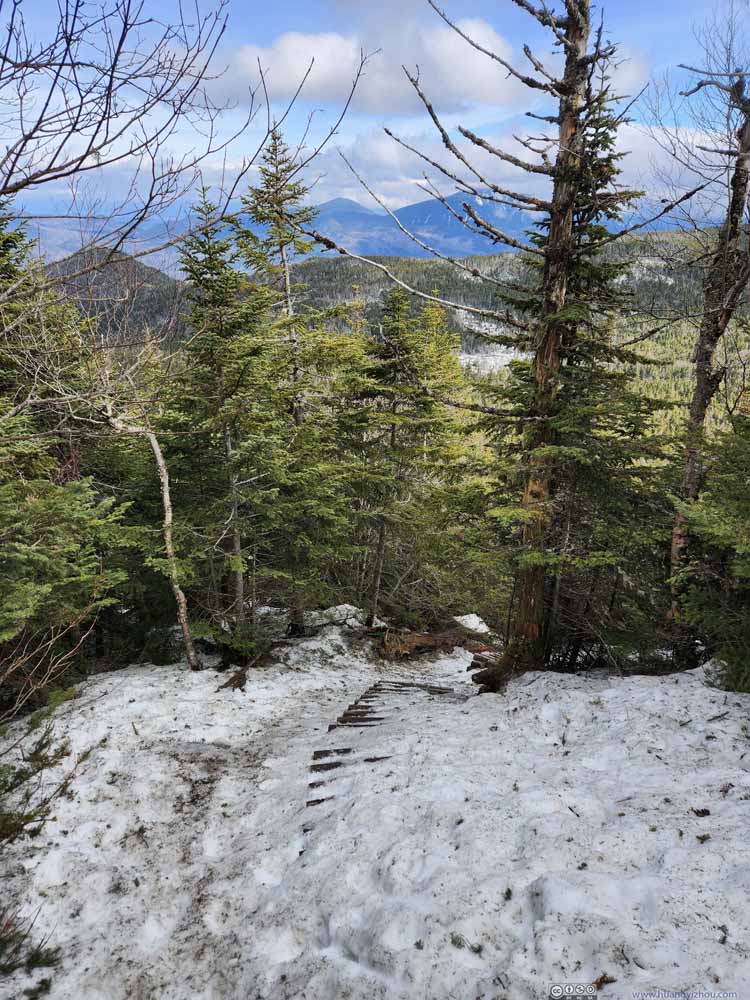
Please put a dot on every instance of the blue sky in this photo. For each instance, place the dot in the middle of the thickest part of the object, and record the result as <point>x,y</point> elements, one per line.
<point>652,25</point>
<point>466,87</point>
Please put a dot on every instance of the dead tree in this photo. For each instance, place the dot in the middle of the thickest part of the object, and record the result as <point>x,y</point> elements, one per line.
<point>574,88</point>
<point>574,99</point>
<point>721,116</point>
<point>125,426</point>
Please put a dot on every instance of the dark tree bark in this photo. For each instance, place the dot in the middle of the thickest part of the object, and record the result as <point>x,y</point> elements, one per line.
<point>583,193</point>
<point>378,576</point>
<point>529,624</point>
<point>237,571</point>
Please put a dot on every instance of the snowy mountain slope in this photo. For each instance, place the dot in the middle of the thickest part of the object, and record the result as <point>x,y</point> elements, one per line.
<point>548,835</point>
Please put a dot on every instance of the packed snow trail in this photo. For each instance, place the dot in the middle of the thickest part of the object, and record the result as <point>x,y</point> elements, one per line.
<point>469,847</point>
<point>370,709</point>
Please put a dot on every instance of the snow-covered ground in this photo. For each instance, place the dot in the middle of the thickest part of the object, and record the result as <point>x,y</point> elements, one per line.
<point>473,622</point>
<point>487,361</point>
<point>572,829</point>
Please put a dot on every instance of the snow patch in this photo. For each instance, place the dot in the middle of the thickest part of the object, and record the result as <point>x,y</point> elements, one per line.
<point>467,846</point>
<point>473,622</point>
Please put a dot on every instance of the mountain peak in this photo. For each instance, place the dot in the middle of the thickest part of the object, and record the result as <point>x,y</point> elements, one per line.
<point>344,205</point>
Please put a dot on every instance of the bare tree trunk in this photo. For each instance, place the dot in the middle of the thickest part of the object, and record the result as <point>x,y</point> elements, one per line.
<point>289,305</point>
<point>253,591</point>
<point>174,576</point>
<point>529,626</point>
<point>378,578</point>
<point>360,563</point>
<point>380,548</point>
<point>289,308</point>
<point>123,427</point>
<point>724,285</point>
<point>237,572</point>
<point>297,613</point>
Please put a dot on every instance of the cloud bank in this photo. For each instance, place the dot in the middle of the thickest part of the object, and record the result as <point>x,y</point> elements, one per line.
<point>456,77</point>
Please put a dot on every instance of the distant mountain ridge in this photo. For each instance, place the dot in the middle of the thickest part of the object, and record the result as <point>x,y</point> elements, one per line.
<point>362,230</point>
<point>370,233</point>
<point>128,296</point>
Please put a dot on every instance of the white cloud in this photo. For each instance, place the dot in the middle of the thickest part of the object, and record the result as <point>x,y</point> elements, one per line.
<point>395,174</point>
<point>455,76</point>
<point>631,72</point>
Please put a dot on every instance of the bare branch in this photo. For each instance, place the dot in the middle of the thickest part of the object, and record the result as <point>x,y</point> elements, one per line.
<point>529,81</point>
<point>531,168</point>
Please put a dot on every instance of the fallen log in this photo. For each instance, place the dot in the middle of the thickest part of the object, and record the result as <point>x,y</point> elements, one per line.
<point>404,645</point>
<point>485,659</point>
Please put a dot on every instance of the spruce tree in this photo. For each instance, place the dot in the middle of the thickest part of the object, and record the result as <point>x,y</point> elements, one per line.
<point>407,436</point>
<point>591,509</point>
<point>225,404</point>
<point>312,484</point>
<point>717,598</point>
<point>54,526</point>
<point>276,206</point>
<point>256,407</point>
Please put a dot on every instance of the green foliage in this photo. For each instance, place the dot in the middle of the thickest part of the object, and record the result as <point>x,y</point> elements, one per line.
<point>297,438</point>
<point>593,434</point>
<point>312,455</point>
<point>276,204</point>
<point>718,599</point>
<point>19,951</point>
<point>23,806</point>
<point>51,538</point>
<point>54,525</point>
<point>253,418</point>
<point>412,448</point>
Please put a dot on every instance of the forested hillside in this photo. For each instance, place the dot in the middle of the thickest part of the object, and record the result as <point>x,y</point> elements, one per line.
<point>121,296</point>
<point>660,272</point>
<point>660,277</point>
<point>129,299</point>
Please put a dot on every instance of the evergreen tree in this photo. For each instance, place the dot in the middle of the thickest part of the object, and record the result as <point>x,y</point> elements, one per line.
<point>717,582</point>
<point>276,205</point>
<point>54,527</point>
<point>313,483</point>
<point>226,407</point>
<point>583,444</point>
<point>255,413</point>
<point>408,441</point>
